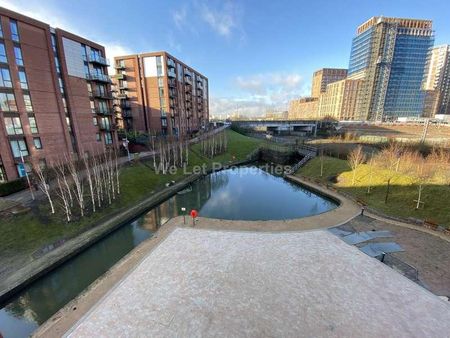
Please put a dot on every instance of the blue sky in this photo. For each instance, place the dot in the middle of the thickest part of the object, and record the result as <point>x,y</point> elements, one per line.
<point>257,54</point>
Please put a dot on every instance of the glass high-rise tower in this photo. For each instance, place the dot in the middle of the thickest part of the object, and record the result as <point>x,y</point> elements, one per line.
<point>389,55</point>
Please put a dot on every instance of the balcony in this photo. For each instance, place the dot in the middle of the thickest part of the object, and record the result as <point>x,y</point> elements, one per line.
<point>172,103</point>
<point>103,112</point>
<point>188,97</point>
<point>172,83</point>
<point>188,78</point>
<point>199,83</point>
<point>173,93</point>
<point>119,66</point>
<point>95,58</point>
<point>170,63</point>
<point>98,78</point>
<point>98,94</point>
<point>122,96</point>
<point>119,76</point>
<point>188,88</point>
<point>171,73</point>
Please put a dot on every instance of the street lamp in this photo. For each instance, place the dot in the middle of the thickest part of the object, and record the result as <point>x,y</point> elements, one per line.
<point>184,215</point>
<point>26,174</point>
<point>125,143</point>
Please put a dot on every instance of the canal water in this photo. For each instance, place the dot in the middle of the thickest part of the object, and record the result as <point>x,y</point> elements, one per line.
<point>246,193</point>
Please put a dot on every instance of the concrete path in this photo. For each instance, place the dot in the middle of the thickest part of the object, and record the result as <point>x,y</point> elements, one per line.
<point>207,283</point>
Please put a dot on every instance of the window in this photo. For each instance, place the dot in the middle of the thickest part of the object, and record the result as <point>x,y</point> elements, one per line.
<point>103,107</point>
<point>18,55</point>
<point>28,104</point>
<point>23,80</point>
<point>53,42</point>
<point>108,138</point>
<point>69,124</point>
<point>18,147</point>
<point>37,142</point>
<point>58,68</point>
<point>33,125</point>
<point>92,106</point>
<point>83,52</point>
<point>5,78</point>
<point>2,174</point>
<point>14,30</point>
<point>13,126</point>
<point>98,138</point>
<point>61,85</point>
<point>1,35</point>
<point>7,102</point>
<point>94,119</point>
<point>3,57</point>
<point>66,110</point>
<point>105,123</point>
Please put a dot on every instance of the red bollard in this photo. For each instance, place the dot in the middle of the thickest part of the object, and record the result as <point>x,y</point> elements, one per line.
<point>194,215</point>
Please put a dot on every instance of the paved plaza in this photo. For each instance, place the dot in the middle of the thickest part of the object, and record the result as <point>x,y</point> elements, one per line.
<point>230,283</point>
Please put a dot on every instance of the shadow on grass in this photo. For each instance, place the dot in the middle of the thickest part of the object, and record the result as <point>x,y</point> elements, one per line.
<point>371,188</point>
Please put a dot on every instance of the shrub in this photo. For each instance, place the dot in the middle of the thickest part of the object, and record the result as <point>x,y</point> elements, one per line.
<point>11,187</point>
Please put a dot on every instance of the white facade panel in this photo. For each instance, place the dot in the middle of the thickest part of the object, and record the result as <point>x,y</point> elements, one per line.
<point>74,58</point>
<point>150,66</point>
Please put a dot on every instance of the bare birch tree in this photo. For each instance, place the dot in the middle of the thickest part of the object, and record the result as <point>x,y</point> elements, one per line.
<point>355,159</point>
<point>44,186</point>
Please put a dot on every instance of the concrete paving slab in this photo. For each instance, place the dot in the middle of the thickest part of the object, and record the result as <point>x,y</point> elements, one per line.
<point>224,283</point>
<point>360,237</point>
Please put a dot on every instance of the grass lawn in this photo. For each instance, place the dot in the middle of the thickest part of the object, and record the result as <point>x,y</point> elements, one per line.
<point>22,235</point>
<point>402,194</point>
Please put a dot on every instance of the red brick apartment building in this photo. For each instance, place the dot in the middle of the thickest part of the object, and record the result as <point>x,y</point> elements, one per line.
<point>157,93</point>
<point>54,95</point>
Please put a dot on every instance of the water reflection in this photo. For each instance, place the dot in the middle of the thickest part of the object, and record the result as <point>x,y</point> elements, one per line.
<point>243,193</point>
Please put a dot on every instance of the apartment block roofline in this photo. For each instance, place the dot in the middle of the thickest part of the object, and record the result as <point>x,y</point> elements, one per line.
<point>157,53</point>
<point>406,22</point>
<point>329,68</point>
<point>79,39</point>
<point>20,17</point>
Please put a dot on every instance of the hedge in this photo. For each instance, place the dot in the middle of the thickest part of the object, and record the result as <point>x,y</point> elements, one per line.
<point>11,187</point>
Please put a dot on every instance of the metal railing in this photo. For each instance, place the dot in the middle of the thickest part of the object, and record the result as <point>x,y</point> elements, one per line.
<point>95,58</point>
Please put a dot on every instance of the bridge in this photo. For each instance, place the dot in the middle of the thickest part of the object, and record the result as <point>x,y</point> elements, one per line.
<point>300,127</point>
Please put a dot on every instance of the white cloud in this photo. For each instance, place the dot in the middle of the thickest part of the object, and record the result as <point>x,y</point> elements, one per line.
<point>224,20</point>
<point>261,93</point>
<point>54,18</point>
<point>179,17</point>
